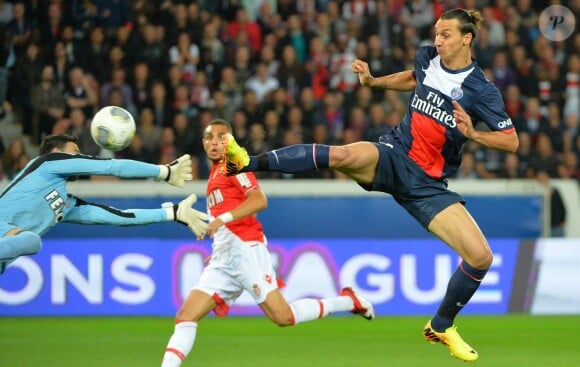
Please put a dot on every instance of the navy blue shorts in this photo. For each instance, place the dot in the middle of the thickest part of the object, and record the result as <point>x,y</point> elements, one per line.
<point>420,194</point>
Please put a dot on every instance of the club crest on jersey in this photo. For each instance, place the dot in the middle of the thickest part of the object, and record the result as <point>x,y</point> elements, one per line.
<point>456,93</point>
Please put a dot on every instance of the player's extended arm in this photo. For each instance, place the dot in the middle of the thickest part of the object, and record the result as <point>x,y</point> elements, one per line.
<point>255,202</point>
<point>403,81</point>
<point>64,164</point>
<point>499,140</point>
<point>84,212</point>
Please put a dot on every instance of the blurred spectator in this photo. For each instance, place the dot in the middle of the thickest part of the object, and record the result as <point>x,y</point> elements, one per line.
<point>48,105</point>
<point>511,167</point>
<point>420,14</point>
<point>261,83</point>
<point>467,167</point>
<point>256,139</point>
<point>513,104</point>
<point>240,126</point>
<point>167,151</point>
<point>6,12</point>
<point>61,64</point>
<point>141,85</point>
<point>113,14</point>
<point>488,163</point>
<point>503,75</point>
<point>200,91</point>
<point>524,71</point>
<point>20,28</point>
<point>292,75</point>
<point>377,123</point>
<point>532,118</point>
<point>81,92</point>
<point>51,30</point>
<point>187,137</point>
<point>543,158</point>
<point>268,57</point>
<point>312,113</point>
<point>251,107</point>
<point>296,38</point>
<point>84,16</point>
<point>162,110</point>
<point>118,81</point>
<point>572,88</point>
<point>79,126</point>
<point>181,104</point>
<point>220,109</point>
<point>243,24</point>
<point>27,73</point>
<point>152,51</point>
<point>554,128</point>
<point>557,207</point>
<point>10,158</point>
<point>571,129</point>
<point>179,23</point>
<point>97,54</point>
<point>149,132</point>
<point>185,55</point>
<point>231,88</point>
<point>274,133</point>
<point>317,66</point>
<point>138,151</point>
<point>570,168</point>
<point>242,65</point>
<point>74,48</point>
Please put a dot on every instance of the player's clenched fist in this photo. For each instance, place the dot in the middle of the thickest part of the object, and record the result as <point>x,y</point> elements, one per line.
<point>364,74</point>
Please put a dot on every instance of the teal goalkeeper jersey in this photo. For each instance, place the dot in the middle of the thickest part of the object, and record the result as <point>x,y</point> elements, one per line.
<point>37,198</point>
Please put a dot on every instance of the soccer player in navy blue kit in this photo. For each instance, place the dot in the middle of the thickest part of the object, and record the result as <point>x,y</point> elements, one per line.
<point>37,198</point>
<point>413,160</point>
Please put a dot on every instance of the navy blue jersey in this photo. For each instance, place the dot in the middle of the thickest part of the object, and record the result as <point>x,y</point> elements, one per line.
<point>428,133</point>
<point>37,198</point>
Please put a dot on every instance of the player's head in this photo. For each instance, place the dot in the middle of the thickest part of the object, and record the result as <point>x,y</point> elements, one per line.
<point>455,31</point>
<point>59,143</point>
<point>212,138</point>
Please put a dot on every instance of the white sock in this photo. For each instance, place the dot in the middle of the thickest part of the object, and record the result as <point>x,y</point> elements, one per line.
<point>309,309</point>
<point>180,344</point>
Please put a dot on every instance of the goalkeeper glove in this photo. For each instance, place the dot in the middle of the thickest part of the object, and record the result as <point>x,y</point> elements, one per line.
<point>176,172</point>
<point>185,214</point>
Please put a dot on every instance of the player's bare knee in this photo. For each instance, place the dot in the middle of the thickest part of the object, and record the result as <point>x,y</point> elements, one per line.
<point>338,156</point>
<point>283,318</point>
<point>482,260</point>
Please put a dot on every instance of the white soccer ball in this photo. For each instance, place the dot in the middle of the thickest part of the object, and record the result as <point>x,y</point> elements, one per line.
<point>113,128</point>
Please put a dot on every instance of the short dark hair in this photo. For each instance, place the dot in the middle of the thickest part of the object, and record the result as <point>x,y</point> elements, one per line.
<point>56,141</point>
<point>221,122</point>
<point>470,21</point>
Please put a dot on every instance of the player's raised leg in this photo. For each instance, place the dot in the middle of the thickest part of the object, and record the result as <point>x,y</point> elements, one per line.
<point>307,309</point>
<point>196,306</point>
<point>358,160</point>
<point>457,228</point>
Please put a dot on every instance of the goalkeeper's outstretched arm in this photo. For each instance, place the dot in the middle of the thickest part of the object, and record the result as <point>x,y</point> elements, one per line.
<point>84,212</point>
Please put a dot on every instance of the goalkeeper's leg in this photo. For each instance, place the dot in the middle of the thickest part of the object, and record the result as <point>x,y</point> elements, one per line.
<point>197,305</point>
<point>308,309</point>
<point>13,246</point>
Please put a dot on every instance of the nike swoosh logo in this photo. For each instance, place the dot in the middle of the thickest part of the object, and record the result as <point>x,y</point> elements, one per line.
<point>459,304</point>
<point>424,70</point>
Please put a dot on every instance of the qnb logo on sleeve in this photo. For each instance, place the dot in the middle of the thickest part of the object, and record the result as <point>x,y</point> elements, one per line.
<point>505,123</point>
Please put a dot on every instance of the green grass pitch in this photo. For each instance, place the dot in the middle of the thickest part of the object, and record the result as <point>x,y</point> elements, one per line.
<point>502,341</point>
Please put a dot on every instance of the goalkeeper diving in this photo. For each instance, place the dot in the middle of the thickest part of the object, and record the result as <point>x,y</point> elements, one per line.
<point>37,198</point>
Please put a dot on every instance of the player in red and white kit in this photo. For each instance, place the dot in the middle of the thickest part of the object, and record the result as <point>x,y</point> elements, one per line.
<point>240,260</point>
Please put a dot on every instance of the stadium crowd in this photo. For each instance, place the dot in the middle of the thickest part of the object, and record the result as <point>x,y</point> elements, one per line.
<point>278,70</point>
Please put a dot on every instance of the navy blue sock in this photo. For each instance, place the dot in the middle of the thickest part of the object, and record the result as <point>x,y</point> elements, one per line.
<point>291,159</point>
<point>461,287</point>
